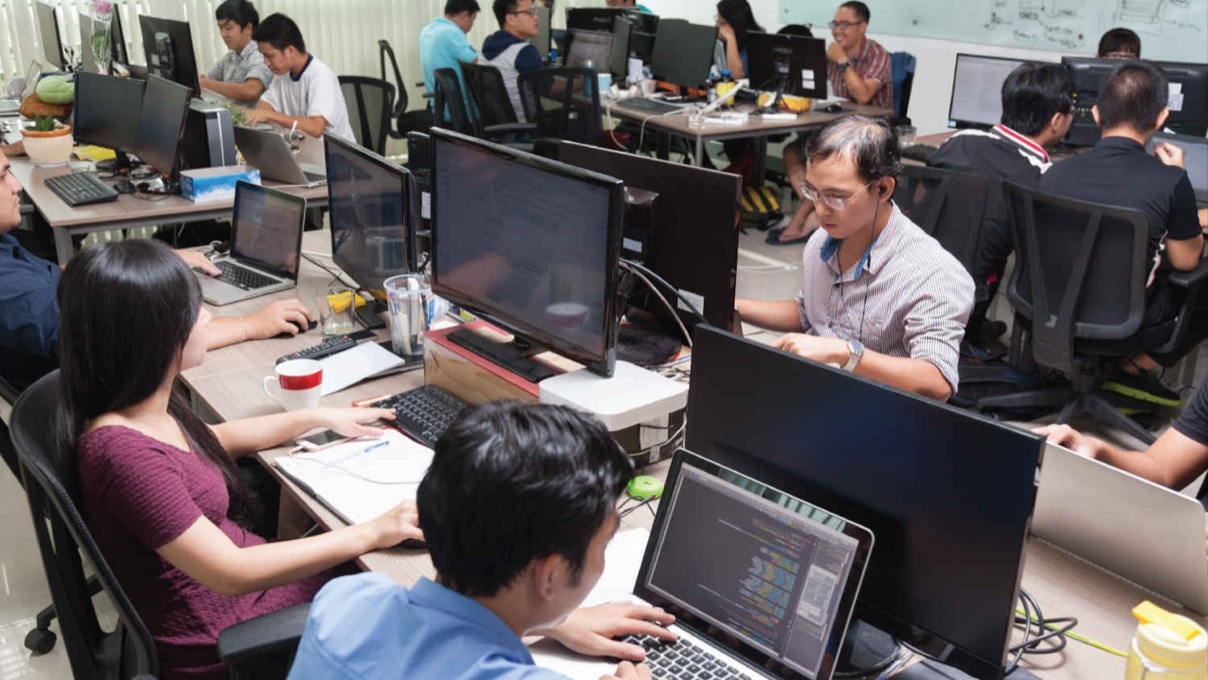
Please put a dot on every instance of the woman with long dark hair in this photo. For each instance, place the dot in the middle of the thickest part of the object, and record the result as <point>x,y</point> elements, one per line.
<point>157,486</point>
<point>734,20</point>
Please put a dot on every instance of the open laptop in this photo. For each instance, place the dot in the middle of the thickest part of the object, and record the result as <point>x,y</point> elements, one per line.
<point>266,245</point>
<point>11,105</point>
<point>760,582</point>
<point>1195,161</point>
<point>1144,532</point>
<point>269,151</point>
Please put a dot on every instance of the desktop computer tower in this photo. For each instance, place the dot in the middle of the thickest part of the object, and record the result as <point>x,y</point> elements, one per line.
<point>209,139</point>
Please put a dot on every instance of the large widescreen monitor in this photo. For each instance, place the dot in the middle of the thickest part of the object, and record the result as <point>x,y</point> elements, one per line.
<point>168,45</point>
<point>530,243</point>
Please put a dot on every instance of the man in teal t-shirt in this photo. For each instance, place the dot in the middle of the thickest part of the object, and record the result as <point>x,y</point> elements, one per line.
<point>629,3</point>
<point>442,43</point>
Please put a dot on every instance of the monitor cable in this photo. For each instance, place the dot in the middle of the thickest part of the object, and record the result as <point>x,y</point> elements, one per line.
<point>335,275</point>
<point>642,275</point>
<point>1053,629</point>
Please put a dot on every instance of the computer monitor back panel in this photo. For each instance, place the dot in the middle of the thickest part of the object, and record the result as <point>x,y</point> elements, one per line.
<point>1188,102</point>
<point>977,90</point>
<point>531,243</point>
<point>592,18</point>
<point>792,64</point>
<point>161,124</point>
<point>947,494</point>
<point>102,111</point>
<point>542,40</point>
<point>168,46</point>
<point>49,34</point>
<point>694,245</point>
<point>683,52</point>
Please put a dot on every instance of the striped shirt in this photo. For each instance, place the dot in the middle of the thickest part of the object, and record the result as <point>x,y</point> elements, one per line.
<point>906,297</point>
<point>871,62</point>
<point>240,67</point>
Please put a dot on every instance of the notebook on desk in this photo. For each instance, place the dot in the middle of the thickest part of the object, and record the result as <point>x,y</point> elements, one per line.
<point>266,246</point>
<point>1148,534</point>
<point>268,151</point>
<point>759,581</point>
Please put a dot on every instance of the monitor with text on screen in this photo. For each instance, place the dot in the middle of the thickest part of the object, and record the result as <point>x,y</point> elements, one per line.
<point>530,243</point>
<point>948,494</point>
<point>977,90</point>
<point>589,47</point>
<point>372,215</point>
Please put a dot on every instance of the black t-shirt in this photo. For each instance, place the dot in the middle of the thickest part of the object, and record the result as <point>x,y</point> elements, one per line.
<point>1193,424</point>
<point>1118,172</point>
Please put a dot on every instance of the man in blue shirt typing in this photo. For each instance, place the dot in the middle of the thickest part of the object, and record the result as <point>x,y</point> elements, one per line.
<point>517,508</point>
<point>443,44</point>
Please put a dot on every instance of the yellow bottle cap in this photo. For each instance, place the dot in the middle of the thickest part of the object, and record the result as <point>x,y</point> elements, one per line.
<point>1148,612</point>
<point>1170,640</point>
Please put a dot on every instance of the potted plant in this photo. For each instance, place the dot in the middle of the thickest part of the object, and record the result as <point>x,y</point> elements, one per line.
<point>47,142</point>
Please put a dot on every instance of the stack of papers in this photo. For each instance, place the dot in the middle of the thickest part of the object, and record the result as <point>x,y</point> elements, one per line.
<point>362,479</point>
<point>366,360</point>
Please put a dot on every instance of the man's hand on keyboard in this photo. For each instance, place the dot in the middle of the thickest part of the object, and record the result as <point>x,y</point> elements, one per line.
<point>197,260</point>
<point>591,630</point>
<point>282,316</point>
<point>628,671</point>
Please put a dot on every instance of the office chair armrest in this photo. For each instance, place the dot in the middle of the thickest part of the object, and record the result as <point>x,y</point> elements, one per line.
<point>509,129</point>
<point>264,635</point>
<point>1192,278</point>
<point>429,95</point>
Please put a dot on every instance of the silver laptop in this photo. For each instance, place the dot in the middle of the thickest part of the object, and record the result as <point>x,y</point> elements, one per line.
<point>1142,531</point>
<point>266,245</point>
<point>756,578</point>
<point>269,151</point>
<point>1195,161</point>
<point>10,105</point>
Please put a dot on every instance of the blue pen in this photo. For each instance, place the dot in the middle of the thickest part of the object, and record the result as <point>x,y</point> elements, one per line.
<point>375,446</point>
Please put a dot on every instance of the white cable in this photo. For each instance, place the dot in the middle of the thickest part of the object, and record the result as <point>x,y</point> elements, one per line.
<point>315,253</point>
<point>659,293</point>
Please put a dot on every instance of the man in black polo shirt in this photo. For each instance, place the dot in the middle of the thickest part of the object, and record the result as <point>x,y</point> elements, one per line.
<point>1118,171</point>
<point>1037,105</point>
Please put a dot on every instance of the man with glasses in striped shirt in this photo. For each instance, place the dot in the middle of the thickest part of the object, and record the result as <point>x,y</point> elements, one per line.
<point>879,297</point>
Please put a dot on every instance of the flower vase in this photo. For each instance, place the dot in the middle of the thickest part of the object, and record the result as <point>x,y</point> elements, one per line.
<point>100,42</point>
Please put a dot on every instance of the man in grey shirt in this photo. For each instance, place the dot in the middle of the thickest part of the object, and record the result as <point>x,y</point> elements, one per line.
<point>879,297</point>
<point>240,74</point>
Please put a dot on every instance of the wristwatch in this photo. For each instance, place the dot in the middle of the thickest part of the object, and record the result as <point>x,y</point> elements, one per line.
<point>842,67</point>
<point>855,350</point>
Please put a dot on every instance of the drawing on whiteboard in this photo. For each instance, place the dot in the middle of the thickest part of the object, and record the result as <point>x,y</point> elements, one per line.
<point>1134,12</point>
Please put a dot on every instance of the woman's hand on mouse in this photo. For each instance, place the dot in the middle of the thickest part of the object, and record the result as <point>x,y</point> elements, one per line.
<point>282,316</point>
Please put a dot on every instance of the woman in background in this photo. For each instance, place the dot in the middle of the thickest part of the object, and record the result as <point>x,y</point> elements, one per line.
<point>734,21</point>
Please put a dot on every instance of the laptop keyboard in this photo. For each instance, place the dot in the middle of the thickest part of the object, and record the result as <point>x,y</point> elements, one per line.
<point>244,278</point>
<point>650,106</point>
<point>683,659</point>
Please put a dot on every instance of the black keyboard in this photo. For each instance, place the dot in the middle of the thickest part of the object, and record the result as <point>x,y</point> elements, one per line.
<point>919,152</point>
<point>81,188</point>
<point>242,277</point>
<point>424,412</point>
<point>683,659</point>
<point>650,106</point>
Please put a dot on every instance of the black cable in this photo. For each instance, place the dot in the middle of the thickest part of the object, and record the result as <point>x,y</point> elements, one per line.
<point>335,275</point>
<point>1033,616</point>
<point>646,503</point>
<point>674,291</point>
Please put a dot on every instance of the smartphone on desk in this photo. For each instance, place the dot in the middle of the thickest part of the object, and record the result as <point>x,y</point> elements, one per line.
<point>321,440</point>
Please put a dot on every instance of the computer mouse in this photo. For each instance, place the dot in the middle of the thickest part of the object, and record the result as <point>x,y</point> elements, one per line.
<point>301,329</point>
<point>413,544</point>
<point>833,108</point>
<point>124,186</point>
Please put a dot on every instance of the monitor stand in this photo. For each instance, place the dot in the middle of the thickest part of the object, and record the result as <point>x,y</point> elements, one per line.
<point>866,651</point>
<point>512,356</point>
<point>120,165</point>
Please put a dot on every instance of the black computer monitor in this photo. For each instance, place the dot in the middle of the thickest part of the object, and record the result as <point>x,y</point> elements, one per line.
<point>168,45</point>
<point>117,38</point>
<point>977,90</point>
<point>641,39</point>
<point>530,243</point>
<point>589,47</point>
<point>790,64</point>
<point>48,32</point>
<point>683,52</point>
<point>618,55</point>
<point>102,113</point>
<point>947,494</point>
<point>1188,97</point>
<point>1088,74</point>
<point>373,218</point>
<point>592,18</point>
<point>694,240</point>
<point>161,124</point>
<point>542,40</point>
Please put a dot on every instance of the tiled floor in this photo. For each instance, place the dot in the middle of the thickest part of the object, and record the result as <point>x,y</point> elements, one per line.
<point>765,272</point>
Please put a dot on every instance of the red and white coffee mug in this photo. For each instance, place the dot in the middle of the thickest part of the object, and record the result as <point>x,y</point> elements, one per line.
<point>299,384</point>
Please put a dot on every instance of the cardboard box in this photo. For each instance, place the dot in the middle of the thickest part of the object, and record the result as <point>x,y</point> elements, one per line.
<point>215,184</point>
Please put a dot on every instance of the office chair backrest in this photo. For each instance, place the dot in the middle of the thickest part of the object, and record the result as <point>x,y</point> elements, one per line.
<point>948,205</point>
<point>8,452</point>
<point>564,103</point>
<point>450,103</point>
<point>902,65</point>
<point>1080,271</point>
<point>94,653</point>
<point>489,95</point>
<point>400,103</point>
<point>369,102</point>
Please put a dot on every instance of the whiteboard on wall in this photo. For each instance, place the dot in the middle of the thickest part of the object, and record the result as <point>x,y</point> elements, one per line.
<point>1170,30</point>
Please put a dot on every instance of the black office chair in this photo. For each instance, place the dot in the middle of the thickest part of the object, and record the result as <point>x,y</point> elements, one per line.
<point>404,121</point>
<point>128,651</point>
<point>1078,291</point>
<point>564,103</point>
<point>369,101</point>
<point>903,67</point>
<point>496,117</point>
<point>450,109</point>
<point>948,205</point>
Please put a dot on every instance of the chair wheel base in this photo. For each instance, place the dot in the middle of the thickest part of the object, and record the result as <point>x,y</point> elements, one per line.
<point>40,641</point>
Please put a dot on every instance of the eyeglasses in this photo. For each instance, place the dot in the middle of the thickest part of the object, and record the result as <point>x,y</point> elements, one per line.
<point>532,11</point>
<point>844,25</point>
<point>833,202</point>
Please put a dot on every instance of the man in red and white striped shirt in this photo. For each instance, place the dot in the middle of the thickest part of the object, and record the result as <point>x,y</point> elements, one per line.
<point>858,68</point>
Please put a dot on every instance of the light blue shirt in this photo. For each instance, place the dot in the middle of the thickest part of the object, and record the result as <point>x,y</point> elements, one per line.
<point>366,626</point>
<point>442,44</point>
